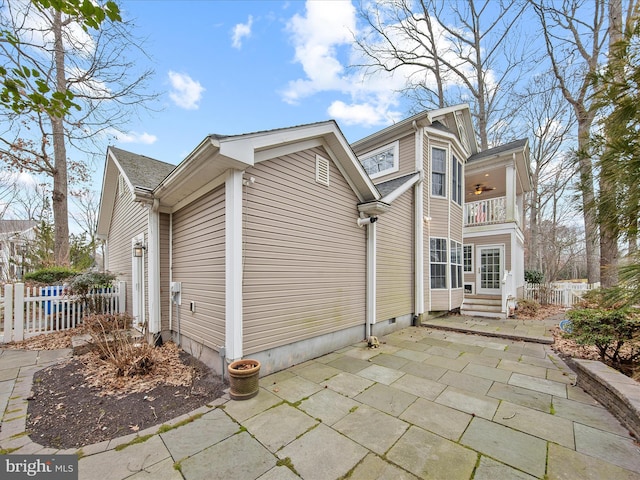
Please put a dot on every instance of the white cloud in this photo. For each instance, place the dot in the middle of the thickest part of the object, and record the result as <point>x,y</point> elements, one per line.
<point>364,114</point>
<point>241,31</point>
<point>185,92</point>
<point>323,41</point>
<point>136,137</point>
<point>323,38</point>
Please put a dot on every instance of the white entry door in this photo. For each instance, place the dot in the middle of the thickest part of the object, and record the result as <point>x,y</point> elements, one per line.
<point>490,260</point>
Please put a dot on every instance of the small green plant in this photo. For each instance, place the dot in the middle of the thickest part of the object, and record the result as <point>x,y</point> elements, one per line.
<point>136,440</point>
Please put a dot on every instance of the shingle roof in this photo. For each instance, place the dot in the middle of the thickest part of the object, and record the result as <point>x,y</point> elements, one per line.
<point>14,226</point>
<point>142,171</point>
<point>517,144</point>
<point>385,188</point>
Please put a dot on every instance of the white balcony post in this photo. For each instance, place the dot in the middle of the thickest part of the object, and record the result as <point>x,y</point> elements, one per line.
<point>511,193</point>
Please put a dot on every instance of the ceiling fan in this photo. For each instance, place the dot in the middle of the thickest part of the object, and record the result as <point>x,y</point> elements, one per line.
<point>479,189</point>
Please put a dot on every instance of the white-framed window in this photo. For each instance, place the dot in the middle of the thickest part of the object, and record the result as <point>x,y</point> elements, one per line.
<point>467,258</point>
<point>456,264</point>
<point>438,172</point>
<point>382,161</point>
<point>456,180</point>
<point>322,170</point>
<point>438,262</point>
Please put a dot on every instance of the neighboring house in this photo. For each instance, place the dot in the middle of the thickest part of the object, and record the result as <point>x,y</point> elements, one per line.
<point>15,237</point>
<point>286,244</point>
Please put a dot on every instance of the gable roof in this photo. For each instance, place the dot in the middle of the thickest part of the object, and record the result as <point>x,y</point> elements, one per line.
<point>140,170</point>
<point>218,153</point>
<point>153,180</point>
<point>16,226</point>
<point>385,188</point>
<point>427,118</point>
<point>500,150</point>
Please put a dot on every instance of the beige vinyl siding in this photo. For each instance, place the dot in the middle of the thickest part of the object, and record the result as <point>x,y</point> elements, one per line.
<point>439,300</point>
<point>456,222</point>
<point>304,255</point>
<point>199,263</point>
<point>128,220</point>
<point>394,289</point>
<point>165,295</point>
<point>457,296</point>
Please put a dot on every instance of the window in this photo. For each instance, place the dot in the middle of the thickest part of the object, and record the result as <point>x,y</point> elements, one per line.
<point>456,264</point>
<point>467,258</point>
<point>438,258</point>
<point>322,170</point>
<point>456,180</point>
<point>381,161</point>
<point>438,172</point>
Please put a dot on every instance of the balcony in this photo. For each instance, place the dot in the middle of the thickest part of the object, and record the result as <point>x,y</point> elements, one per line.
<point>488,212</point>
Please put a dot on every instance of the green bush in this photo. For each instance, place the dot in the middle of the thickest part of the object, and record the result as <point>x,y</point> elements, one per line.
<point>614,331</point>
<point>51,275</point>
<point>533,276</point>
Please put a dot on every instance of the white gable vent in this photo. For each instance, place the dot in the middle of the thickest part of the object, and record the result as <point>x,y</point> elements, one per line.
<point>322,170</point>
<point>121,184</point>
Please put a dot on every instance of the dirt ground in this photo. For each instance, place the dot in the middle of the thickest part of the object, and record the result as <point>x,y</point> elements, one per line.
<point>81,401</point>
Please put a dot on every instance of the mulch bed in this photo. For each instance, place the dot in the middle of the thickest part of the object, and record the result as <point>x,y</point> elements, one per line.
<point>81,402</point>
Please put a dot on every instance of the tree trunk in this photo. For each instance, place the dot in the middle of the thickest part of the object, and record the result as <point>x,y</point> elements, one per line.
<point>608,187</point>
<point>59,193</point>
<point>586,188</point>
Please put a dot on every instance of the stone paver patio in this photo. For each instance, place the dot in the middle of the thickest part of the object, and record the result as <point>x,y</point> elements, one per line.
<point>429,404</point>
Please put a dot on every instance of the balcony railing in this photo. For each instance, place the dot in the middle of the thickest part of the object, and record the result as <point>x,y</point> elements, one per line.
<point>484,212</point>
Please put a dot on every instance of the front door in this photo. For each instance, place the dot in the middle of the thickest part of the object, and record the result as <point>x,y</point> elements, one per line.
<point>489,268</point>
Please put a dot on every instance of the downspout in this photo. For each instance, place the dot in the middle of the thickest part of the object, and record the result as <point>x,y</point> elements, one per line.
<point>371,278</point>
<point>171,271</point>
<point>233,265</point>
<point>419,229</point>
<point>154,269</point>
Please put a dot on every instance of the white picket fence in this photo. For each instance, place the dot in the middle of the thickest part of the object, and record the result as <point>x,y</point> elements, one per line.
<point>565,294</point>
<point>29,311</point>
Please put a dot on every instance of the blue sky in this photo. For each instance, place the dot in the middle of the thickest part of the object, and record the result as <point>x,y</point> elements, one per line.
<point>233,67</point>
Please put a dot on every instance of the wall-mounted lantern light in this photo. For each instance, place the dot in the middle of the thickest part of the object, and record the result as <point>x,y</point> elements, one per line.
<point>138,250</point>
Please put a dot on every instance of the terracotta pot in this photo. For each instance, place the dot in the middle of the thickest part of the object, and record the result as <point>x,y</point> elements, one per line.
<point>243,379</point>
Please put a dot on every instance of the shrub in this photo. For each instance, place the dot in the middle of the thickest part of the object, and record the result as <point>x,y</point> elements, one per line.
<point>114,344</point>
<point>533,276</point>
<point>108,323</point>
<point>51,275</point>
<point>614,330</point>
<point>84,286</point>
<point>528,308</point>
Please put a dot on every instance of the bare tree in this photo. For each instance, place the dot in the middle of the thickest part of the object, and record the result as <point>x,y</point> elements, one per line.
<point>450,52</point>
<point>106,87</point>
<point>548,121</point>
<point>85,214</point>
<point>575,34</point>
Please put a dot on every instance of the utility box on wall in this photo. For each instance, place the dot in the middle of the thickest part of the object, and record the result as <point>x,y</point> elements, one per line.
<point>176,292</point>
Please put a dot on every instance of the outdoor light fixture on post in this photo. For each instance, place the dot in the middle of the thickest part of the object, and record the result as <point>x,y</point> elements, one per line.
<point>138,250</point>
